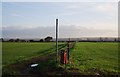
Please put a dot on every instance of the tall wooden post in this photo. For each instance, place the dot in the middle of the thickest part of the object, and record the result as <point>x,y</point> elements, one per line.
<point>56,40</point>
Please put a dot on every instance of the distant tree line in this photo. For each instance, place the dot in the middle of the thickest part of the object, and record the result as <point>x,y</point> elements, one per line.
<point>50,39</point>
<point>47,39</point>
<point>100,39</point>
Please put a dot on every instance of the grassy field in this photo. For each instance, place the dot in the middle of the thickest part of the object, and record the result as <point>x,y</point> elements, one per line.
<point>85,57</point>
<point>100,57</point>
<point>16,52</point>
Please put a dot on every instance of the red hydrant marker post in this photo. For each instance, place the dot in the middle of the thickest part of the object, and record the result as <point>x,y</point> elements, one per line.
<point>65,58</point>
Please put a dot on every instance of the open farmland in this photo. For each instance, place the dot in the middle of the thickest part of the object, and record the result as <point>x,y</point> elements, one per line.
<point>16,52</point>
<point>95,58</point>
<point>86,58</point>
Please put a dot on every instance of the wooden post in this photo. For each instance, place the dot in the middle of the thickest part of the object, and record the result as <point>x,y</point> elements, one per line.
<point>68,49</point>
<point>56,40</point>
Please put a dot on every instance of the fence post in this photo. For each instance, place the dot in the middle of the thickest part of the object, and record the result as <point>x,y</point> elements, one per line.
<point>68,51</point>
<point>56,40</point>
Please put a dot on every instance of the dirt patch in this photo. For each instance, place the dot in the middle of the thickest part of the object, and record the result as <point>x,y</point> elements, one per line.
<point>76,69</point>
<point>24,67</point>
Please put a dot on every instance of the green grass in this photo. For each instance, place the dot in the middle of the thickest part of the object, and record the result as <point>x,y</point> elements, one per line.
<point>16,52</point>
<point>87,56</point>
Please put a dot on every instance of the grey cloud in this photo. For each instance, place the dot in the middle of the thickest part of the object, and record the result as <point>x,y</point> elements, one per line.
<point>64,32</point>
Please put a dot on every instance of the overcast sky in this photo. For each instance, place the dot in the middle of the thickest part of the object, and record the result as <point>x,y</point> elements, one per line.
<point>76,19</point>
